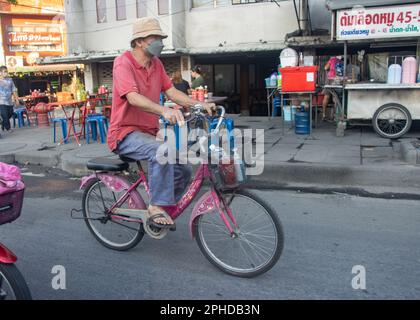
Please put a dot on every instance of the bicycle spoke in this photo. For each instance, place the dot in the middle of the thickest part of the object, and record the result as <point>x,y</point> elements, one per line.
<point>253,219</point>
<point>258,256</point>
<point>247,255</point>
<point>260,228</point>
<point>261,248</point>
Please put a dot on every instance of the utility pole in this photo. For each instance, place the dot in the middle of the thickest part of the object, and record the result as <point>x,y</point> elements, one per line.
<point>304,19</point>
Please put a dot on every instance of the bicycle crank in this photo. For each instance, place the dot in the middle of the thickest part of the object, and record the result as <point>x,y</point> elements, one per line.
<point>153,232</point>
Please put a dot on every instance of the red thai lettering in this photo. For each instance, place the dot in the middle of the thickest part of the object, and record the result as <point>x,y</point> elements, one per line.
<point>391,19</point>
<point>384,18</point>
<point>344,20</point>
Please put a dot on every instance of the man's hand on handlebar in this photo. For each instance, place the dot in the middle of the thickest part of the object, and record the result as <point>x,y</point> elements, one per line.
<point>173,116</point>
<point>210,108</point>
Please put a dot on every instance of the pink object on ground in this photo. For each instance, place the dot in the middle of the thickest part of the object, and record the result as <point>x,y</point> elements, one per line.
<point>11,193</point>
<point>10,179</point>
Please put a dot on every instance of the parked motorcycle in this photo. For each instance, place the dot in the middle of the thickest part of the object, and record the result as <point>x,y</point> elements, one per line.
<point>12,284</point>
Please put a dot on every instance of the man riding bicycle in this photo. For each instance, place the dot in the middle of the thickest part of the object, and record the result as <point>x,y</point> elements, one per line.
<point>139,78</point>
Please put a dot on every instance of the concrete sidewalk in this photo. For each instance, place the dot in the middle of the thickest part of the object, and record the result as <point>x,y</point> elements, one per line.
<point>360,159</point>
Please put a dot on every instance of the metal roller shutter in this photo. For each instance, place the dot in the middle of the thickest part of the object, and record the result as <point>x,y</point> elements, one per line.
<point>105,74</point>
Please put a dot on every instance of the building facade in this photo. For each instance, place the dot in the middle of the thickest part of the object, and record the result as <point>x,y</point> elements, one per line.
<point>237,42</point>
<point>31,30</point>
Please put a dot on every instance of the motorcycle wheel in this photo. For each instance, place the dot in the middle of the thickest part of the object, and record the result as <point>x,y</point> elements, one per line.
<point>12,284</point>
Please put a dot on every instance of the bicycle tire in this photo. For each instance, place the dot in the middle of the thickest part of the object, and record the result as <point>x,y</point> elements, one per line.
<point>16,281</point>
<point>249,273</point>
<point>135,241</point>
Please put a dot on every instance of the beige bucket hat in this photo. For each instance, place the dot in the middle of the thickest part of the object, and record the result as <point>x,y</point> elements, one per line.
<point>145,27</point>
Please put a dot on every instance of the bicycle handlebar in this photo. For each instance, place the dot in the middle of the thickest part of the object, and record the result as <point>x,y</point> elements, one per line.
<point>198,111</point>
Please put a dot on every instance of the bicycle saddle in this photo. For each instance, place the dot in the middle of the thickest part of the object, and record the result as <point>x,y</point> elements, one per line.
<point>125,159</point>
<point>107,164</point>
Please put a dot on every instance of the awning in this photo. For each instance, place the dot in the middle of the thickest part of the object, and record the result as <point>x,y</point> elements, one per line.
<point>109,56</point>
<point>46,68</point>
<point>346,4</point>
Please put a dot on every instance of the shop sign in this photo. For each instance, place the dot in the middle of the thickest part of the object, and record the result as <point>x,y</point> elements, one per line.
<point>33,38</point>
<point>380,22</point>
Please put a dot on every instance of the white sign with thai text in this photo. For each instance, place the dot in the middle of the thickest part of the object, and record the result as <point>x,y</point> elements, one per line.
<point>381,22</point>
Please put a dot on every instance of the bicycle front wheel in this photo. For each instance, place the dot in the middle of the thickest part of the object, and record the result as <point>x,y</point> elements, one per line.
<point>257,242</point>
<point>12,284</point>
<point>113,233</point>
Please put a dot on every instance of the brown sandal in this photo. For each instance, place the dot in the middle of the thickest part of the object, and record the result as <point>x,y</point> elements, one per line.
<point>151,221</point>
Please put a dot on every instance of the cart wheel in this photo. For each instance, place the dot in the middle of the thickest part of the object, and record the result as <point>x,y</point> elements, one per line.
<point>392,121</point>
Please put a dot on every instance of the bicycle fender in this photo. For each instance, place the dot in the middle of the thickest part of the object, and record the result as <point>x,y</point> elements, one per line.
<point>6,256</point>
<point>203,206</point>
<point>117,184</point>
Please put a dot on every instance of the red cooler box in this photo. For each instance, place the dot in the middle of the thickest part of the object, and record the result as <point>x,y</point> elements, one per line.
<point>299,79</point>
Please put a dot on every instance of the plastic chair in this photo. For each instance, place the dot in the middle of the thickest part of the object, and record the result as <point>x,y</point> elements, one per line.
<point>94,121</point>
<point>20,114</point>
<point>63,122</point>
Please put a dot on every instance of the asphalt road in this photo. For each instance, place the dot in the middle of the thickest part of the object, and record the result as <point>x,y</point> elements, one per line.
<point>325,237</point>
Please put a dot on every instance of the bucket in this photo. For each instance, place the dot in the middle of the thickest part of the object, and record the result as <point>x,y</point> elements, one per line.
<point>267,82</point>
<point>302,122</point>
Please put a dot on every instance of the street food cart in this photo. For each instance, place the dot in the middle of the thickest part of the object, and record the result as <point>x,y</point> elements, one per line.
<point>389,107</point>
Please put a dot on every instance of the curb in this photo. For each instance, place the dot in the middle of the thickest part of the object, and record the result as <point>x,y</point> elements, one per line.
<point>44,158</point>
<point>356,176</point>
<point>275,174</point>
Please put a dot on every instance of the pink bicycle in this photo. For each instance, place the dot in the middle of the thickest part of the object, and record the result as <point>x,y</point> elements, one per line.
<point>236,230</point>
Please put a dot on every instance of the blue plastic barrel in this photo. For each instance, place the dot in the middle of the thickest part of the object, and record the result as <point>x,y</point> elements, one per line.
<point>276,106</point>
<point>302,122</point>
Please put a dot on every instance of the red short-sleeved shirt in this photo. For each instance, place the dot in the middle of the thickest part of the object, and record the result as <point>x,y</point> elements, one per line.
<point>130,76</point>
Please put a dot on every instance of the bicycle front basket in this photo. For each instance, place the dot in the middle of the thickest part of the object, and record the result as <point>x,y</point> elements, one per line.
<point>11,206</point>
<point>230,175</point>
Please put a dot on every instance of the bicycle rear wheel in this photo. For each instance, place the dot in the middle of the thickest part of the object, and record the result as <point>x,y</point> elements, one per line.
<point>120,235</point>
<point>12,284</point>
<point>258,241</point>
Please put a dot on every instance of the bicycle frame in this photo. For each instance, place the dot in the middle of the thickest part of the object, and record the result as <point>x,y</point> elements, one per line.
<point>207,203</point>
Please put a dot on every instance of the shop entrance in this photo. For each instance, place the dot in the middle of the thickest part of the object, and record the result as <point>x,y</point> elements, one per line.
<point>240,77</point>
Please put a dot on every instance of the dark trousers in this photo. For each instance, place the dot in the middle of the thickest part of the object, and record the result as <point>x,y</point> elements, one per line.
<point>6,112</point>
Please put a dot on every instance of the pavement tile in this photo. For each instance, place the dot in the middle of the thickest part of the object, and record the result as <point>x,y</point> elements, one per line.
<point>311,153</point>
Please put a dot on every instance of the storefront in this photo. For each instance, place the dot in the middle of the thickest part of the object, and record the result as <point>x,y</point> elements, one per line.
<point>240,77</point>
<point>31,30</point>
<point>381,41</point>
<point>52,78</point>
